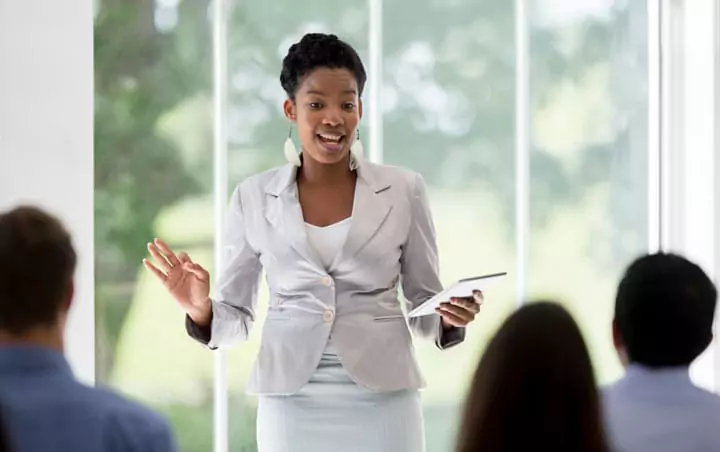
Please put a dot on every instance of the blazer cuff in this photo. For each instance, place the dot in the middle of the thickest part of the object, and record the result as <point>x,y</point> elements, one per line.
<point>200,334</point>
<point>449,338</point>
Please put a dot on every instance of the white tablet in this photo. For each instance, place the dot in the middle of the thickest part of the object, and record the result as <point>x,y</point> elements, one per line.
<point>460,289</point>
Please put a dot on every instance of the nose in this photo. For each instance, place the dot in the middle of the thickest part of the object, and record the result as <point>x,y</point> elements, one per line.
<point>332,117</point>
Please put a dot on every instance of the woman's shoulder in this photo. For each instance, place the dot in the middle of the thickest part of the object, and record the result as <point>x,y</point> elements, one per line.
<point>271,181</point>
<point>393,175</point>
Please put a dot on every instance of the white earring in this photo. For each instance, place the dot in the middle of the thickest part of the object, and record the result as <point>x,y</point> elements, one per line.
<point>291,153</point>
<point>357,152</point>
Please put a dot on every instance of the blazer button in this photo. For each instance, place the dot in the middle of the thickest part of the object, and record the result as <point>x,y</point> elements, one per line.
<point>328,316</point>
<point>327,281</point>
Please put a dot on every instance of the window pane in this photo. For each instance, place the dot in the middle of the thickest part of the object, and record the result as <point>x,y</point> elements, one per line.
<point>449,106</point>
<point>588,190</point>
<point>260,34</point>
<point>153,177</point>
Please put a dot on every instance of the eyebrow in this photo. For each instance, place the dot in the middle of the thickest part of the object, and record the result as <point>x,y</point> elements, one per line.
<point>320,93</point>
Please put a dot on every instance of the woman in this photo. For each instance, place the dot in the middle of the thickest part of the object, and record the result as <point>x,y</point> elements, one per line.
<point>335,235</point>
<point>534,388</point>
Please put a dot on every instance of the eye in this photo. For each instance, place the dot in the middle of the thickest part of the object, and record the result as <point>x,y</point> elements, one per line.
<point>348,106</point>
<point>315,105</point>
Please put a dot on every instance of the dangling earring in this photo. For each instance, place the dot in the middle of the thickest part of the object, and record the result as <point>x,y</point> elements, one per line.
<point>356,152</point>
<point>291,153</point>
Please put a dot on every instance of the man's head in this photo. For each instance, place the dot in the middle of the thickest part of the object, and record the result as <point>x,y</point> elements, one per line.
<point>664,311</point>
<point>37,263</point>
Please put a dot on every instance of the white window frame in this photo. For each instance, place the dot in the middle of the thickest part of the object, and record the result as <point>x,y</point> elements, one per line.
<point>220,10</point>
<point>522,148</point>
<point>689,102</point>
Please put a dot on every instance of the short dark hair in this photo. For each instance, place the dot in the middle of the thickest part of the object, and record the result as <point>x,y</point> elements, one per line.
<point>534,386</point>
<point>37,263</point>
<point>319,50</point>
<point>664,310</point>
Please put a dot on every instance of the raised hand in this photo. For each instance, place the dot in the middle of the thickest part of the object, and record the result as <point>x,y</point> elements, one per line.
<point>187,282</point>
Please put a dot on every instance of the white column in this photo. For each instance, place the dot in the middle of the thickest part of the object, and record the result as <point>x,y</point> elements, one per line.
<point>716,176</point>
<point>220,197</point>
<point>522,146</point>
<point>690,83</point>
<point>46,135</point>
<point>656,145</point>
<point>375,81</point>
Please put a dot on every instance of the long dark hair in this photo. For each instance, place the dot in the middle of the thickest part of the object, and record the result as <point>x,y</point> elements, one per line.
<point>534,388</point>
<point>4,436</point>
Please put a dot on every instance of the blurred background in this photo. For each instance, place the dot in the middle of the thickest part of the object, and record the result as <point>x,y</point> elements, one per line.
<point>448,110</point>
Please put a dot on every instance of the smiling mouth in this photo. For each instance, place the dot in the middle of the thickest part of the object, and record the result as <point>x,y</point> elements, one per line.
<point>330,138</point>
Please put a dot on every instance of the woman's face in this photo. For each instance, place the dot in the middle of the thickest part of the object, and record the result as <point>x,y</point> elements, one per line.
<point>327,110</point>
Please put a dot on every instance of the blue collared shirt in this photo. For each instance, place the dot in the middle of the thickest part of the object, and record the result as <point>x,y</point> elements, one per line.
<point>660,410</point>
<point>46,409</point>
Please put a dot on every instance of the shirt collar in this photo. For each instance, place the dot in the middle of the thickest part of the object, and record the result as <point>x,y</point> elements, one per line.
<point>675,374</point>
<point>28,358</point>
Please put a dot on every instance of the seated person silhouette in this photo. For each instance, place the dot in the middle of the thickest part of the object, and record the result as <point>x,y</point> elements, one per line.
<point>45,409</point>
<point>664,312</point>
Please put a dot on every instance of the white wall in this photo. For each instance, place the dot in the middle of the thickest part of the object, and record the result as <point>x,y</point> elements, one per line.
<point>46,134</point>
<point>716,153</point>
<point>691,181</point>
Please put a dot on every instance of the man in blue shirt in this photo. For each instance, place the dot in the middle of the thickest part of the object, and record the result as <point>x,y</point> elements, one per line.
<point>44,408</point>
<point>664,313</point>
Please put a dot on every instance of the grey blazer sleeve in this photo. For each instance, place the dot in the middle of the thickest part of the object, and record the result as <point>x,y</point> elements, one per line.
<point>420,271</point>
<point>233,306</point>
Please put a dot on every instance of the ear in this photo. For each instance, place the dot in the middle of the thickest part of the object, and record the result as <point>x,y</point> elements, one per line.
<point>619,344</point>
<point>69,295</point>
<point>360,108</point>
<point>289,108</point>
<point>617,338</point>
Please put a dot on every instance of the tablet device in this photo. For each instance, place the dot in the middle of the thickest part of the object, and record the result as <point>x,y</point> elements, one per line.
<point>460,289</point>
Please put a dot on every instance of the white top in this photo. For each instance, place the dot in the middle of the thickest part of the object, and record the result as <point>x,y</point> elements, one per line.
<point>328,240</point>
<point>660,410</point>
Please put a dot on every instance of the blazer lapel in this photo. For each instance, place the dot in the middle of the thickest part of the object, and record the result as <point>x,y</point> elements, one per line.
<point>284,213</point>
<point>369,212</point>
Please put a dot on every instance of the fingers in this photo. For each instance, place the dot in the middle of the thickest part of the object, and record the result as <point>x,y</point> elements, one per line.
<point>153,269</point>
<point>160,259</point>
<point>169,254</point>
<point>468,304</point>
<point>452,317</point>
<point>478,296</point>
<point>198,271</point>
<point>184,258</point>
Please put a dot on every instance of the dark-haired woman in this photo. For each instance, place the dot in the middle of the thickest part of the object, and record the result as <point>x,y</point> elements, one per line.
<point>336,236</point>
<point>534,388</point>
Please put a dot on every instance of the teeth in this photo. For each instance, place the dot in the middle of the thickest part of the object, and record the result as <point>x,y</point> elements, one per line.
<point>335,138</point>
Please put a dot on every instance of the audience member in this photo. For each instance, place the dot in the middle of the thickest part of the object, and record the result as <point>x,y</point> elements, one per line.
<point>45,408</point>
<point>664,312</point>
<point>534,388</point>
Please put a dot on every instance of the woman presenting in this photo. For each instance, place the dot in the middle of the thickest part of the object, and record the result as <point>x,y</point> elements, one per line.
<point>336,236</point>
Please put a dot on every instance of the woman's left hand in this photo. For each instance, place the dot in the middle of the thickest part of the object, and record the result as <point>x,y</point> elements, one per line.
<point>460,311</point>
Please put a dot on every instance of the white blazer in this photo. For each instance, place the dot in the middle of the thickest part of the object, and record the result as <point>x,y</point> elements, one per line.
<point>354,303</point>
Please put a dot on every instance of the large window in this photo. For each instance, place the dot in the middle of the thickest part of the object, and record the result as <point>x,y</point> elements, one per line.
<point>588,189</point>
<point>153,177</point>
<point>548,183</point>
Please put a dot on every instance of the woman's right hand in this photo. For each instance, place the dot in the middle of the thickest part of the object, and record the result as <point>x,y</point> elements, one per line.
<point>187,282</point>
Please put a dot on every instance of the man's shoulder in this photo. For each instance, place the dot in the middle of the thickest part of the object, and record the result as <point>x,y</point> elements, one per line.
<point>127,417</point>
<point>113,403</point>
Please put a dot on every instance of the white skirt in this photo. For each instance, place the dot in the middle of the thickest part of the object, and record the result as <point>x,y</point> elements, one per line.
<point>334,414</point>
